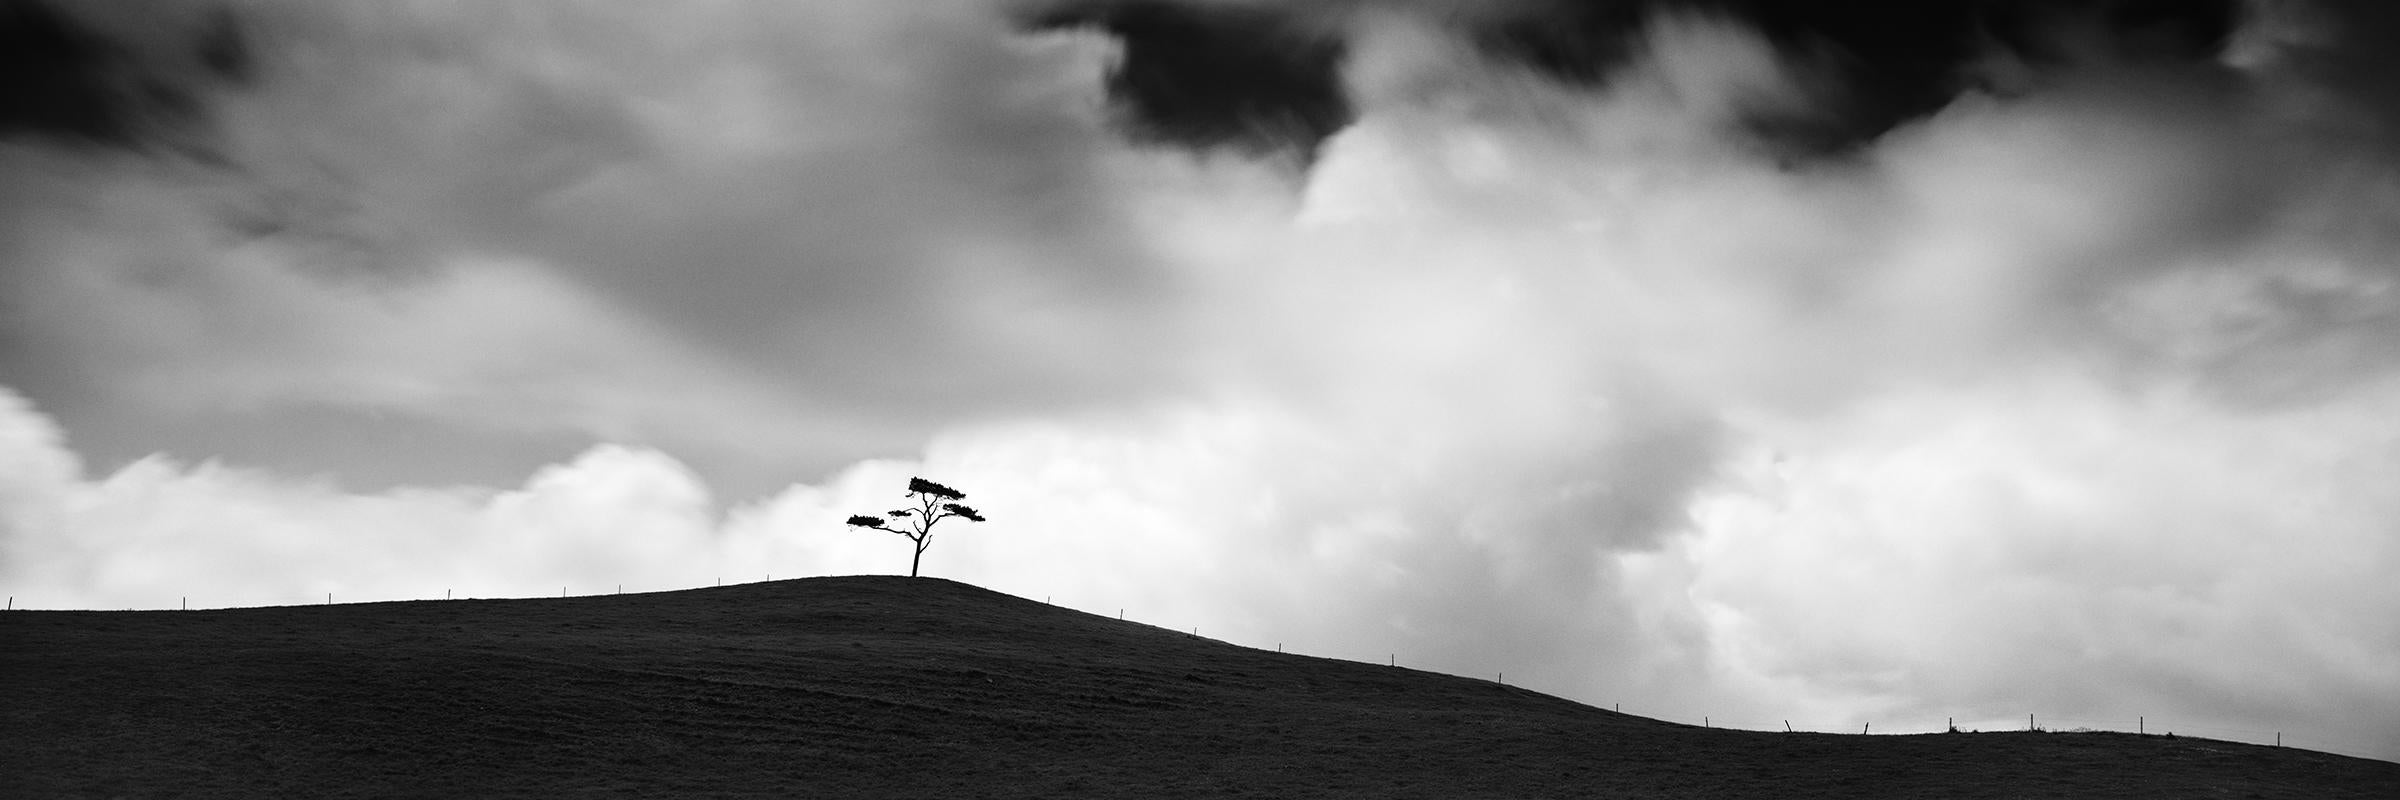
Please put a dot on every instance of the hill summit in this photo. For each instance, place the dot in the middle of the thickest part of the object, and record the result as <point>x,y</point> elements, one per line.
<point>900,687</point>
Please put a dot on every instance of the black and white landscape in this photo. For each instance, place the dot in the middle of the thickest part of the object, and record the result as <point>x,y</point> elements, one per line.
<point>1866,366</point>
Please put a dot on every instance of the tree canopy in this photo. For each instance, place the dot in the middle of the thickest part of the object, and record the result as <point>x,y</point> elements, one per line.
<point>934,503</point>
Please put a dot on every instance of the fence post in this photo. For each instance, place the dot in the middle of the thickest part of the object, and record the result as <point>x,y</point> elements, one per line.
<point>2141,725</point>
<point>1787,726</point>
<point>2279,738</point>
<point>1704,720</point>
<point>329,598</point>
<point>2029,722</point>
<point>1862,729</point>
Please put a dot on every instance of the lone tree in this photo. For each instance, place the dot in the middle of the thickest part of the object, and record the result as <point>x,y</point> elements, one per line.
<point>935,503</point>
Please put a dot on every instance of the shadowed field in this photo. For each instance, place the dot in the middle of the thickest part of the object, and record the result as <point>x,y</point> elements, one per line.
<point>895,687</point>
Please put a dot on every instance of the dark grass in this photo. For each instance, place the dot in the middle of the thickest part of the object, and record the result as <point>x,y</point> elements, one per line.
<point>893,687</point>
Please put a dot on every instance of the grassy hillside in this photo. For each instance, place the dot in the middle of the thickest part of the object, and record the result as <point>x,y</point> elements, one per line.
<point>893,687</point>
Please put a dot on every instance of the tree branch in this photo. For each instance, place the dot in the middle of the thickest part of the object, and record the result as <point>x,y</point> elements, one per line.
<point>931,507</point>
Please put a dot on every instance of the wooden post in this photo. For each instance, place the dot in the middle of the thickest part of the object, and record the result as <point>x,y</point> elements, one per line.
<point>2279,738</point>
<point>2141,724</point>
<point>187,603</point>
<point>1862,729</point>
<point>1704,720</point>
<point>1787,726</point>
<point>2029,722</point>
<point>329,598</point>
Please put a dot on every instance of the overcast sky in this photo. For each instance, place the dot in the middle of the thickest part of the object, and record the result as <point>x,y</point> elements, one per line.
<point>1830,362</point>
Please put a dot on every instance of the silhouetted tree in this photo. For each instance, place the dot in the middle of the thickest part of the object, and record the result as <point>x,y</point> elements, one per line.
<point>935,503</point>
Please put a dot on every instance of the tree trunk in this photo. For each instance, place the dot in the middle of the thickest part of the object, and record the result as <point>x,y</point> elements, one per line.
<point>912,562</point>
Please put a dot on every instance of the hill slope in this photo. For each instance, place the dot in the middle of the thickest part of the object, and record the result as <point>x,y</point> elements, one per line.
<point>875,686</point>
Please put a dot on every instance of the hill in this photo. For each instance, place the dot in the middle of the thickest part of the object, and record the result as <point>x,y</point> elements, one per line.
<point>896,687</point>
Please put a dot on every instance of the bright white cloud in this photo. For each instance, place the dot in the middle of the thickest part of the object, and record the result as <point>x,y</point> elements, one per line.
<point>2044,542</point>
<point>156,531</point>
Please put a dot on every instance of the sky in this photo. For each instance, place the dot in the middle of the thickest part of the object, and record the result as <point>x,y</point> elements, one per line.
<point>1839,363</point>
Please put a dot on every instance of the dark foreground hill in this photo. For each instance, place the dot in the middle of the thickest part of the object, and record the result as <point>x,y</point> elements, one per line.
<point>893,687</point>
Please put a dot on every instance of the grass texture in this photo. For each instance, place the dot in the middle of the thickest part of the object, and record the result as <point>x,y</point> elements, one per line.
<point>921,688</point>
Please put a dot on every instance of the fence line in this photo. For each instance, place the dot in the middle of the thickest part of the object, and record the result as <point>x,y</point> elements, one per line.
<point>2140,724</point>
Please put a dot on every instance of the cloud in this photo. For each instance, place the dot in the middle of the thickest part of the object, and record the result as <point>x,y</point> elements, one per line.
<point>1258,78</point>
<point>1539,337</point>
<point>89,77</point>
<point>1986,549</point>
<point>882,250</point>
<point>157,530</point>
<point>2057,397</point>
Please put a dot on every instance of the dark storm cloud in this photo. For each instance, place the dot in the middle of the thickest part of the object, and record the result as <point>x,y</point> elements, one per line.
<point>76,79</point>
<point>1254,78</point>
<point>1261,76</point>
<point>1879,63</point>
<point>2346,49</point>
